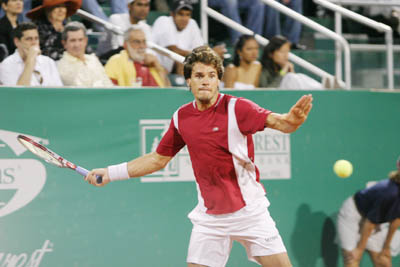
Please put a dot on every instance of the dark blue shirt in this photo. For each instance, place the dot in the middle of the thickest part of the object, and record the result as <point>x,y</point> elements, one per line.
<point>379,203</point>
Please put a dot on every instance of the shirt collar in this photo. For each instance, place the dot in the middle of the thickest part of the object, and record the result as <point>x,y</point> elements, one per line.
<point>220,96</point>
<point>18,57</point>
<point>70,57</point>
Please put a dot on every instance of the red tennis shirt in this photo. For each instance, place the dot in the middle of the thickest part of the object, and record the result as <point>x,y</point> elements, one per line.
<point>220,145</point>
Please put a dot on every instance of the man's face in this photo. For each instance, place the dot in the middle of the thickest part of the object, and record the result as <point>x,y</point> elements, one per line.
<point>204,83</point>
<point>136,45</point>
<point>139,10</point>
<point>29,38</point>
<point>182,18</point>
<point>13,6</point>
<point>76,43</point>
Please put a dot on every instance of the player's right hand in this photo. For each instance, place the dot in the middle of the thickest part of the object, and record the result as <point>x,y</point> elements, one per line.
<point>91,178</point>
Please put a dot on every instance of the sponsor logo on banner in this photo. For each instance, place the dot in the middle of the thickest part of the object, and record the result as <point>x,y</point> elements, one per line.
<point>21,180</point>
<point>25,259</point>
<point>272,154</point>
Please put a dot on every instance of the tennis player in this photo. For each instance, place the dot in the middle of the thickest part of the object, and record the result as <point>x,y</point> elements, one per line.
<point>217,130</point>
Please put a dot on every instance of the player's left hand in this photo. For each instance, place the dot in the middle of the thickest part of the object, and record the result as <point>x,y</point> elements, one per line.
<point>299,112</point>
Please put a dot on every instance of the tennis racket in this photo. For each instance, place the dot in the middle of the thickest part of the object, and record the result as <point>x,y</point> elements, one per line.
<point>51,157</point>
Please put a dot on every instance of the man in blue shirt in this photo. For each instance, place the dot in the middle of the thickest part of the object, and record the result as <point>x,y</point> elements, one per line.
<point>369,220</point>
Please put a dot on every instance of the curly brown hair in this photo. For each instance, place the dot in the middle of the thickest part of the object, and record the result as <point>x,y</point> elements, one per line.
<point>395,176</point>
<point>203,54</point>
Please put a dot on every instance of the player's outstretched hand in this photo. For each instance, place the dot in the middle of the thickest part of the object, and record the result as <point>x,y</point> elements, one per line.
<point>298,113</point>
<point>291,121</point>
<point>91,178</point>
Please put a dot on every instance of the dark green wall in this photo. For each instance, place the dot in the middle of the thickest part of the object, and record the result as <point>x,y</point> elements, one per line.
<point>131,223</point>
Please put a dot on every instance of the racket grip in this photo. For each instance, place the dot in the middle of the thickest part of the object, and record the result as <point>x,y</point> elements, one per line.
<point>84,172</point>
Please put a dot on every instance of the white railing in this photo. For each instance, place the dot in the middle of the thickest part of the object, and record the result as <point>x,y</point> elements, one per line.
<point>339,11</point>
<point>317,27</point>
<point>260,39</point>
<point>367,2</point>
<point>117,30</point>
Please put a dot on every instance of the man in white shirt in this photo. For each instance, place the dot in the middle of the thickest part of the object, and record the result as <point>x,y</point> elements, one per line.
<point>27,67</point>
<point>178,32</point>
<point>77,68</point>
<point>138,11</point>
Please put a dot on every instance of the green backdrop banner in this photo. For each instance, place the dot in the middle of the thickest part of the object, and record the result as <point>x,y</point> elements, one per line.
<point>50,217</point>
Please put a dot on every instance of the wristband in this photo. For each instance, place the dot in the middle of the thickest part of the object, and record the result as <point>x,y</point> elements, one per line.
<point>118,172</point>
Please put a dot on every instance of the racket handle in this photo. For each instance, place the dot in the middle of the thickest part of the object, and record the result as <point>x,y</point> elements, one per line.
<point>84,172</point>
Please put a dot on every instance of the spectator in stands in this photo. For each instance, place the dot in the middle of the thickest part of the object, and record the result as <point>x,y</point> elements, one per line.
<point>133,66</point>
<point>75,67</point>
<point>93,7</point>
<point>51,17</point>
<point>369,221</point>
<point>245,70</point>
<point>27,67</point>
<point>138,11</point>
<point>180,34</point>
<point>389,15</point>
<point>26,7</point>
<point>231,8</point>
<point>9,22</point>
<point>292,27</point>
<point>278,72</point>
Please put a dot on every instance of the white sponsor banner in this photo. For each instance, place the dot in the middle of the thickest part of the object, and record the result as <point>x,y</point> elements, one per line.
<point>271,147</point>
<point>21,180</point>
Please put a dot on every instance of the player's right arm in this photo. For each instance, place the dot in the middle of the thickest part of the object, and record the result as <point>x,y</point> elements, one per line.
<point>138,167</point>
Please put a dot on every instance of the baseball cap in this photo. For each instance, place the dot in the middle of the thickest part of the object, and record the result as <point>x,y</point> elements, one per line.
<point>179,4</point>
<point>131,1</point>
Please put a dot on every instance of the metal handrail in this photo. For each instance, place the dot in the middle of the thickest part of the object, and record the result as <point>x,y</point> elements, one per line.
<point>366,2</point>
<point>204,20</point>
<point>117,30</point>
<point>375,47</point>
<point>263,41</point>
<point>312,24</point>
<point>339,10</point>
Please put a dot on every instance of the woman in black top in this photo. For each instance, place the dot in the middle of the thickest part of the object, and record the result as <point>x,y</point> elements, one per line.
<point>8,22</point>
<point>50,18</point>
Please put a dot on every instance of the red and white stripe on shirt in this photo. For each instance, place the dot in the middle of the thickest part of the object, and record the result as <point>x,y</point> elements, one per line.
<point>220,145</point>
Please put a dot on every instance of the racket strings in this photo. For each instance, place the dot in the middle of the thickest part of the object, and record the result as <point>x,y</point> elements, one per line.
<point>45,155</point>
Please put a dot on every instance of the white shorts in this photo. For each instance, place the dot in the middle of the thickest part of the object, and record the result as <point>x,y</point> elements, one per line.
<point>213,235</point>
<point>349,227</point>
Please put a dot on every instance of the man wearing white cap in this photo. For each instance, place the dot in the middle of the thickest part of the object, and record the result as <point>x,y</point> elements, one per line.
<point>178,32</point>
<point>138,11</point>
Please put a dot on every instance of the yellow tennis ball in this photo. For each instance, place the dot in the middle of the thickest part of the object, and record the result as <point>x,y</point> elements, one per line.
<point>343,168</point>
